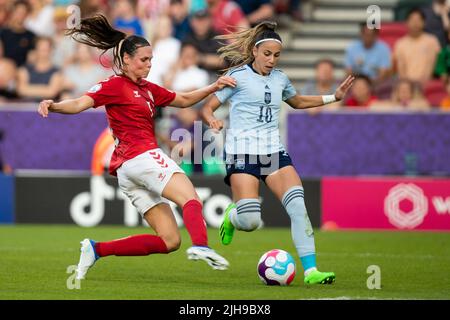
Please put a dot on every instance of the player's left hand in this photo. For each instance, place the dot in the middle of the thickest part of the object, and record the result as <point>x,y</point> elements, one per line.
<point>343,87</point>
<point>225,81</point>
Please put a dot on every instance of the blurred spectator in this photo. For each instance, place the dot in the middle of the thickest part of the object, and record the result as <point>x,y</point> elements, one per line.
<point>125,18</point>
<point>7,79</point>
<point>185,75</point>
<point>152,9</point>
<point>407,95</point>
<point>40,79</point>
<point>91,7</point>
<point>369,56</point>
<point>256,10</point>
<point>63,46</point>
<point>178,13</point>
<point>197,5</point>
<point>4,167</point>
<point>361,94</point>
<point>437,20</point>
<point>291,7</point>
<point>442,68</point>
<point>182,150</point>
<point>202,38</point>
<point>149,12</point>
<point>227,16</point>
<point>445,103</point>
<point>64,3</point>
<point>324,83</point>
<point>415,54</point>
<point>40,19</point>
<point>15,40</point>
<point>166,50</point>
<point>5,6</point>
<point>85,71</point>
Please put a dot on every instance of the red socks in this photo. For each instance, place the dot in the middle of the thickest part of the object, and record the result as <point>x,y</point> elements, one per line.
<point>145,244</point>
<point>138,245</point>
<point>195,225</point>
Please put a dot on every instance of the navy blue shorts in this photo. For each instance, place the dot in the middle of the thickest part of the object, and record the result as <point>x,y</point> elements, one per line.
<point>259,166</point>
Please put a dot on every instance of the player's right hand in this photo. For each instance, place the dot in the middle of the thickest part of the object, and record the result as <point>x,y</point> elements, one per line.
<point>216,124</point>
<point>44,106</point>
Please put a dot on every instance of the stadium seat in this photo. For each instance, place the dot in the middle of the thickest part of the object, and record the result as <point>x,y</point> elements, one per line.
<point>390,32</point>
<point>435,91</point>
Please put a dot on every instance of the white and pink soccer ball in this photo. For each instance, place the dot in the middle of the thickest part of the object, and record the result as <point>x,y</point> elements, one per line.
<point>276,267</point>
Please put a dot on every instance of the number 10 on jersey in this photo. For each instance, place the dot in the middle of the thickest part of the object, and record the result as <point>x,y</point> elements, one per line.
<point>265,115</point>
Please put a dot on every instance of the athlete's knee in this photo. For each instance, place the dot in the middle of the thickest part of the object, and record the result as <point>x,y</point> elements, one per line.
<point>172,241</point>
<point>248,215</point>
<point>189,198</point>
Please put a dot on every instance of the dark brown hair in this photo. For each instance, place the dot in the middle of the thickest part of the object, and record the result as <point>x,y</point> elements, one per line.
<point>97,32</point>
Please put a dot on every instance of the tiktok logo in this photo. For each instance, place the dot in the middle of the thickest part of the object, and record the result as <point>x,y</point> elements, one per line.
<point>87,209</point>
<point>100,191</point>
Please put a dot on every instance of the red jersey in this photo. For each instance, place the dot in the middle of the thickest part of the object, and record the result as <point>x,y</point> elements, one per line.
<point>130,108</point>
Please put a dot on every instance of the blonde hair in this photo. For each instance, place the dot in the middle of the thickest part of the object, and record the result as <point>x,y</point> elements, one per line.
<point>239,51</point>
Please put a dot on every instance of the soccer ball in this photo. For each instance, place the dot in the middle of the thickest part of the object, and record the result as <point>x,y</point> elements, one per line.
<point>276,267</point>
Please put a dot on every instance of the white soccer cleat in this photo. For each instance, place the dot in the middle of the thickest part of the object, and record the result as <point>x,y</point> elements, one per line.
<point>216,261</point>
<point>88,257</point>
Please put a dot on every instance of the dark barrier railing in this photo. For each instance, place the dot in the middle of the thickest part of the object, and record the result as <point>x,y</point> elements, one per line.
<point>92,200</point>
<point>355,143</point>
<point>61,142</point>
<point>328,143</point>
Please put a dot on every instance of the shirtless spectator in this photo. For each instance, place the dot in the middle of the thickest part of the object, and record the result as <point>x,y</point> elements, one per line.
<point>415,54</point>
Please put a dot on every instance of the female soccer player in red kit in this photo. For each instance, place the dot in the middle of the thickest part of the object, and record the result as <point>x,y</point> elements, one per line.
<point>145,174</point>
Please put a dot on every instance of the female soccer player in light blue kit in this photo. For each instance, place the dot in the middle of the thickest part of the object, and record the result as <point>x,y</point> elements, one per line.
<point>253,148</point>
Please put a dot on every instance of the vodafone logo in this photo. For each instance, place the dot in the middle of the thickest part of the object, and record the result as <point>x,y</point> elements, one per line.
<point>409,192</point>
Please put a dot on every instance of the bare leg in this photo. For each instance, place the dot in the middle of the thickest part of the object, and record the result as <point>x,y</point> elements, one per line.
<point>161,219</point>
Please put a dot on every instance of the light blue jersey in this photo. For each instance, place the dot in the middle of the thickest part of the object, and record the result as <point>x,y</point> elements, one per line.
<point>255,105</point>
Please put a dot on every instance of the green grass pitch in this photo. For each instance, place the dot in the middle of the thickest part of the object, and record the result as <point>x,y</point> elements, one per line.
<point>34,260</point>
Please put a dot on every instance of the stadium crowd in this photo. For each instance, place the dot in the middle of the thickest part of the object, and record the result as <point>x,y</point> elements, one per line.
<point>37,60</point>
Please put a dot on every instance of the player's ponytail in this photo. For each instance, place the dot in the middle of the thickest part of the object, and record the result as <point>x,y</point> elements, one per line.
<point>239,50</point>
<point>97,32</point>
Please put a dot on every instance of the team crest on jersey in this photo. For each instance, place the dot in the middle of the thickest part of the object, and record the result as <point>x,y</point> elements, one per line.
<point>267,97</point>
<point>95,88</point>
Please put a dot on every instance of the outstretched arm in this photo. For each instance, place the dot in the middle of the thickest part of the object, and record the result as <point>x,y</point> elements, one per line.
<point>69,106</point>
<point>207,113</point>
<point>304,102</point>
<point>187,99</point>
